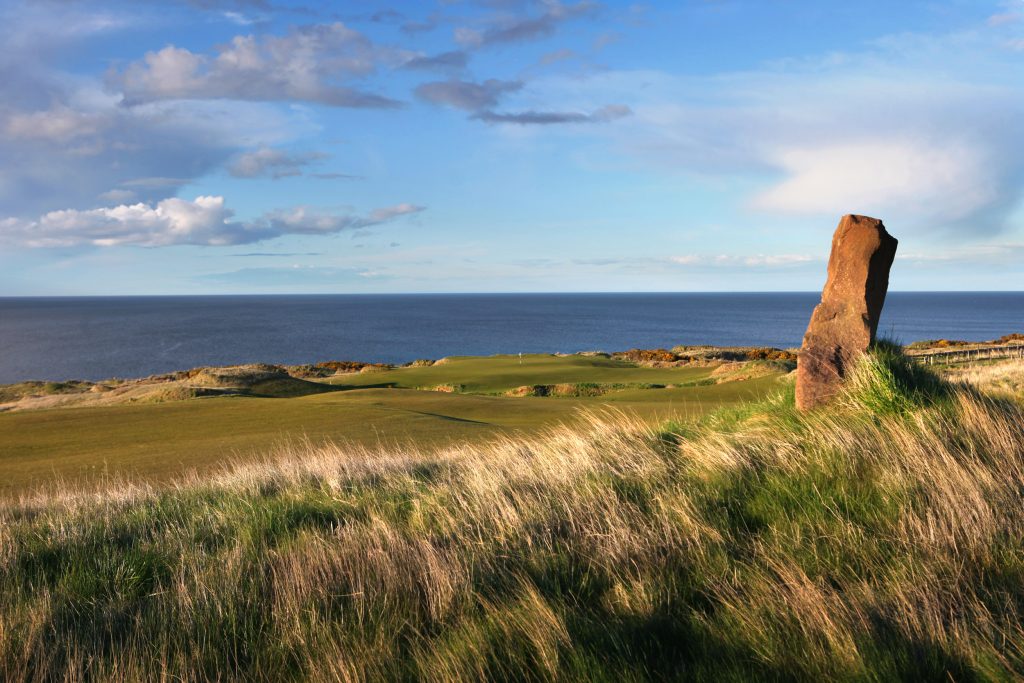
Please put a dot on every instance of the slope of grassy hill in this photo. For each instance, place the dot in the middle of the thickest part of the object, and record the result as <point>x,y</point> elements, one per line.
<point>498,374</point>
<point>879,539</point>
<point>160,429</point>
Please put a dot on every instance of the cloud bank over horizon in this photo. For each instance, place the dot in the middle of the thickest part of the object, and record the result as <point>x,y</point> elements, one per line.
<point>204,221</point>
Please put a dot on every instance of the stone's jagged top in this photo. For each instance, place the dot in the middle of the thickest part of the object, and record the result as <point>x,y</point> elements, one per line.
<point>844,324</point>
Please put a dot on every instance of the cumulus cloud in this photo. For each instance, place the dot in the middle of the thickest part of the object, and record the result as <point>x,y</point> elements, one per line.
<point>68,140</point>
<point>466,94</point>
<point>308,64</point>
<point>273,163</point>
<point>204,221</point>
<point>69,153</point>
<point>605,114</point>
<point>875,175</point>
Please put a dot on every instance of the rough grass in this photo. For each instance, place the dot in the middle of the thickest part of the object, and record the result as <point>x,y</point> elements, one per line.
<point>999,377</point>
<point>881,539</point>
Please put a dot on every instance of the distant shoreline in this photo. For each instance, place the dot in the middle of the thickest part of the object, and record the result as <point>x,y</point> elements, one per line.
<point>99,338</point>
<point>661,357</point>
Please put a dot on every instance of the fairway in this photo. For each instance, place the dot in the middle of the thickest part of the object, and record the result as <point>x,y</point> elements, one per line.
<point>497,374</point>
<point>159,441</point>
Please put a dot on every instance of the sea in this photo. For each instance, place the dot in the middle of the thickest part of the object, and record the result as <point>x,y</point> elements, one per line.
<point>93,338</point>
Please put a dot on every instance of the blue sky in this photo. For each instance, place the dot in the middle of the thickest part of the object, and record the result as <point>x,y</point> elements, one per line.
<point>235,146</point>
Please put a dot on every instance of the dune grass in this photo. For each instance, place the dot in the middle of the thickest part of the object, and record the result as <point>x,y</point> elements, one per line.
<point>880,539</point>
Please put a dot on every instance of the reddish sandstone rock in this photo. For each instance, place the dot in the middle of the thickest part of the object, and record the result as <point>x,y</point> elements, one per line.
<point>844,324</point>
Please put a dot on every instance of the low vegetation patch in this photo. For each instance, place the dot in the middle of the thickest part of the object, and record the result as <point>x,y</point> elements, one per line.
<point>739,371</point>
<point>449,388</point>
<point>704,355</point>
<point>13,392</point>
<point>939,344</point>
<point>582,389</point>
<point>881,539</point>
<point>1002,378</point>
<point>647,355</point>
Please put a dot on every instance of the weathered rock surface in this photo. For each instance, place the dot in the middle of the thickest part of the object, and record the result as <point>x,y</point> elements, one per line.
<point>844,324</point>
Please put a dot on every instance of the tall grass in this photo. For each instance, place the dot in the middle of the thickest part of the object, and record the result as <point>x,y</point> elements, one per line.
<point>880,539</point>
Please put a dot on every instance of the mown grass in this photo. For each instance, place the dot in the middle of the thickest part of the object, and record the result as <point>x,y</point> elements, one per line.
<point>163,440</point>
<point>880,539</point>
<point>498,374</point>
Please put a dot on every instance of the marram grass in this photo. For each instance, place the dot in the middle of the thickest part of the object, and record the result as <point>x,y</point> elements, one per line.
<point>881,539</point>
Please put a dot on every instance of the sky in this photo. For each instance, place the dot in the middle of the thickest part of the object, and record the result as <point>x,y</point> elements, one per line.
<point>279,146</point>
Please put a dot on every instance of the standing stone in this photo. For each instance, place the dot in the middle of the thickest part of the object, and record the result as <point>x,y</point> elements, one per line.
<point>844,324</point>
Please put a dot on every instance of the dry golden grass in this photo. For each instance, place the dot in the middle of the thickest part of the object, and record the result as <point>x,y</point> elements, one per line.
<point>880,540</point>
<point>1003,377</point>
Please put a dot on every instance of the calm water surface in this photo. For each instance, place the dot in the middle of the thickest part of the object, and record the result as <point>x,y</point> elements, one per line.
<point>101,337</point>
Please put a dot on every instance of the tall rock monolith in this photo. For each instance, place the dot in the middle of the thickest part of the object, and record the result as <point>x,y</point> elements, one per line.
<point>844,324</point>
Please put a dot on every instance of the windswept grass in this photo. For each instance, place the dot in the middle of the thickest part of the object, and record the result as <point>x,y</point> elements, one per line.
<point>1000,377</point>
<point>880,540</point>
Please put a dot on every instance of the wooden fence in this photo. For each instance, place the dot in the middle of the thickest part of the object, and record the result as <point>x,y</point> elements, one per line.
<point>971,355</point>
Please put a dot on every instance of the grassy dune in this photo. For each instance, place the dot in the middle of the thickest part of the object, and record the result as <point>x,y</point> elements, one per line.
<point>882,539</point>
<point>163,440</point>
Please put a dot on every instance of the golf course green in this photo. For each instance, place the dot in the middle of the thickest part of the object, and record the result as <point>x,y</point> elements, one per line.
<point>396,408</point>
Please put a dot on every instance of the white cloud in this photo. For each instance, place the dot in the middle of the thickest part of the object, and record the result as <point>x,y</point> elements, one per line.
<point>523,27</point>
<point>929,142</point>
<point>275,163</point>
<point>605,114</point>
<point>738,260</point>
<point>446,61</point>
<point>155,182</point>
<point>118,196</point>
<point>389,212</point>
<point>85,145</point>
<point>204,221</point>
<point>309,63</point>
<point>302,220</point>
<point>992,254</point>
<point>1012,13</point>
<point>948,180</point>
<point>1004,18</point>
<point>58,124</point>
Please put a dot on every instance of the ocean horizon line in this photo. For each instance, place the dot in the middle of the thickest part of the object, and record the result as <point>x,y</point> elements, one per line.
<point>8,297</point>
